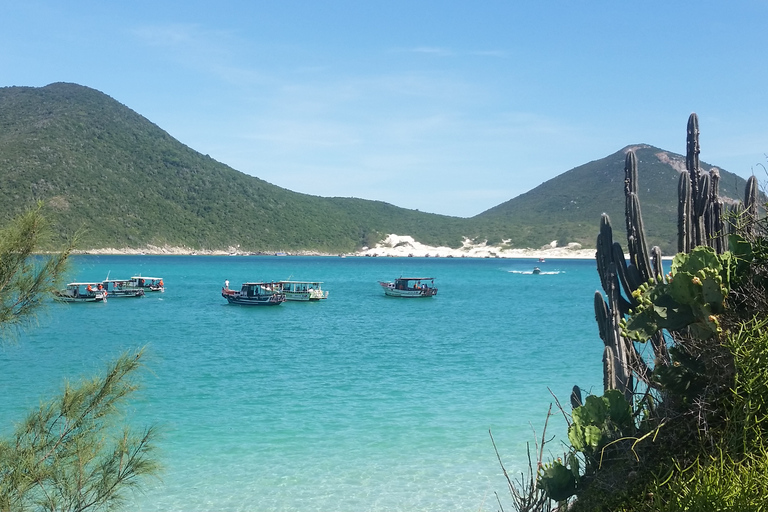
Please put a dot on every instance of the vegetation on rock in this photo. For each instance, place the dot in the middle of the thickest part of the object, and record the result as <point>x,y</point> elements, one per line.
<point>683,421</point>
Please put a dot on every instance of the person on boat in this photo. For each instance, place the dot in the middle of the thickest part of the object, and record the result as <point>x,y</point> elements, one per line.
<point>226,284</point>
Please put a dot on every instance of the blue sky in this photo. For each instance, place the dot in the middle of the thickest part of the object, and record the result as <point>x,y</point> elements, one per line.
<point>446,107</point>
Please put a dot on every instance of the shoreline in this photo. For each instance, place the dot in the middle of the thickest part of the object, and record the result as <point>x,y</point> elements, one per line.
<point>393,246</point>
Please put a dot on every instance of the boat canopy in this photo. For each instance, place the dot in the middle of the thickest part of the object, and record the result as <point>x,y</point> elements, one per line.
<point>415,278</point>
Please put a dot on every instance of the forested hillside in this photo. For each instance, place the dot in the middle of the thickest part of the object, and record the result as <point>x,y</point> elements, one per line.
<point>102,167</point>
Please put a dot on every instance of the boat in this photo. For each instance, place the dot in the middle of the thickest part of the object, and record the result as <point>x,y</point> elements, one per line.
<point>303,290</point>
<point>122,288</point>
<point>149,284</point>
<point>82,292</point>
<point>536,270</point>
<point>410,287</point>
<point>255,294</point>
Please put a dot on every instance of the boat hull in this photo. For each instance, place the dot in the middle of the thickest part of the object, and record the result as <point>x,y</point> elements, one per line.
<point>99,297</point>
<point>409,293</point>
<point>306,296</point>
<point>127,293</point>
<point>256,300</point>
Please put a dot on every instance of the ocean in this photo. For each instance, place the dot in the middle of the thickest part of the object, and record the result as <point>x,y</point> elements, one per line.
<point>356,403</point>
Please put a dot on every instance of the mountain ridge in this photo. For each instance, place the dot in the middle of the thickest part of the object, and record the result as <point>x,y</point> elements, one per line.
<point>100,165</point>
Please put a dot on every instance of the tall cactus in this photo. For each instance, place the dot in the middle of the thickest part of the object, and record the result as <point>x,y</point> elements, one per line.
<point>684,208</point>
<point>616,362</point>
<point>638,249</point>
<point>751,204</point>
<point>694,174</point>
<point>715,219</point>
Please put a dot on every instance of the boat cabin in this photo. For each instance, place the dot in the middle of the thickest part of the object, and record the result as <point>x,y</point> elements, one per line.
<point>150,284</point>
<point>303,290</point>
<point>122,288</point>
<point>257,289</point>
<point>414,283</point>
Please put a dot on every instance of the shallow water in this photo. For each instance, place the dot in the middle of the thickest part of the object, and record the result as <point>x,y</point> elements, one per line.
<point>360,402</point>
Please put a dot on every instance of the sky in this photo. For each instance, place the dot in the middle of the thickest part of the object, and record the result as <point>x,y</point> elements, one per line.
<point>448,107</point>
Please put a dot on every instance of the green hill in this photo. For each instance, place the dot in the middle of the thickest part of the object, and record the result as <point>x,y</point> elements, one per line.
<point>568,207</point>
<point>103,167</point>
<point>99,165</point>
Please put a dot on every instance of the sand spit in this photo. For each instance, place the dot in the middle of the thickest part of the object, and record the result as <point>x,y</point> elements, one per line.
<point>392,246</point>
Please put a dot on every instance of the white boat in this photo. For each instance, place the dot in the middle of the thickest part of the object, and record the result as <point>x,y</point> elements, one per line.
<point>410,287</point>
<point>82,292</point>
<point>303,290</point>
<point>122,288</point>
<point>255,294</point>
<point>149,284</point>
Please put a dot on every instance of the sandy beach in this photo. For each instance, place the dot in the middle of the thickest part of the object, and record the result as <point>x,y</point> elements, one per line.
<point>392,246</point>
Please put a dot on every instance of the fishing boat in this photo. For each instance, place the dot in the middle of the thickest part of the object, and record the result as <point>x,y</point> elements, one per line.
<point>536,270</point>
<point>149,284</point>
<point>82,292</point>
<point>410,287</point>
<point>303,290</point>
<point>255,294</point>
<point>122,288</point>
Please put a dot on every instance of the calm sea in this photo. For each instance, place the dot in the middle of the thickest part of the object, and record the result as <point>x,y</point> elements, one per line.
<point>357,403</point>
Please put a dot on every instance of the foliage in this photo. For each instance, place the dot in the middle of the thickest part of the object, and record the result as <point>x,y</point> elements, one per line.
<point>100,165</point>
<point>68,455</point>
<point>26,280</point>
<point>595,424</point>
<point>693,294</point>
<point>699,401</point>
<point>599,421</point>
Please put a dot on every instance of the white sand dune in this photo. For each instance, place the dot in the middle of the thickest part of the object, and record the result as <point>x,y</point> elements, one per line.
<point>392,246</point>
<point>404,246</point>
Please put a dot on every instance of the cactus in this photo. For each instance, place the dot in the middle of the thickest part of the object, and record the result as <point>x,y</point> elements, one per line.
<point>694,174</point>
<point>684,228</point>
<point>701,209</point>
<point>750,204</point>
<point>716,225</point>
<point>610,380</point>
<point>608,315</point>
<point>700,223</point>
<point>657,264</point>
<point>576,400</point>
<point>638,249</point>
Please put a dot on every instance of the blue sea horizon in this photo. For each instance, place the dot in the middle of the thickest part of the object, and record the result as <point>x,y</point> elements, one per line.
<point>360,402</point>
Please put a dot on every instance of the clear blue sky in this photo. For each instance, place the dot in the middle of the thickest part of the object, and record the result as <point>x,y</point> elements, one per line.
<point>448,107</point>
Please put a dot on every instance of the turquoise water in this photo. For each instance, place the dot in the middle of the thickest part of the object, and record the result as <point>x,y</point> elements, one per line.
<point>357,403</point>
